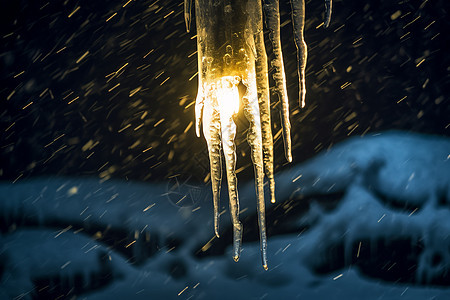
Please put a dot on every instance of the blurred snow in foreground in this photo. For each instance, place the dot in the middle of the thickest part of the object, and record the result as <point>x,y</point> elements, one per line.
<point>385,237</point>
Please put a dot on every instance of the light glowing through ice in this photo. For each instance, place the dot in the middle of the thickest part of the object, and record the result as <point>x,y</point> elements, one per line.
<point>231,52</point>
<point>228,95</point>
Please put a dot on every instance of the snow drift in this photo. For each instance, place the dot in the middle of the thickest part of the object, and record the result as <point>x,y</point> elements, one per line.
<point>368,218</point>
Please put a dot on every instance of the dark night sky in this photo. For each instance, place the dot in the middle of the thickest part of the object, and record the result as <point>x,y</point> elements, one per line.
<point>380,65</point>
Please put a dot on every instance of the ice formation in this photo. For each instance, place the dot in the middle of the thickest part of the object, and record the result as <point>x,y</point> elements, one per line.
<point>231,52</point>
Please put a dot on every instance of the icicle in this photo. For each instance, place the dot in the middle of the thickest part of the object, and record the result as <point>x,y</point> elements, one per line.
<point>231,51</point>
<point>262,82</point>
<point>187,14</point>
<point>257,111</point>
<point>212,131</point>
<point>328,9</point>
<point>254,138</point>
<point>272,10</point>
<point>298,21</point>
<point>228,101</point>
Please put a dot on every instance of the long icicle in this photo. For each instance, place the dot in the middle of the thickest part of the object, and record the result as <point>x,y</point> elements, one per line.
<point>212,133</point>
<point>254,139</point>
<point>272,11</point>
<point>298,21</point>
<point>228,91</point>
<point>262,82</point>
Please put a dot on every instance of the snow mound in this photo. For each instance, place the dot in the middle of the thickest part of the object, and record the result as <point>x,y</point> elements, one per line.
<point>393,219</point>
<point>386,234</point>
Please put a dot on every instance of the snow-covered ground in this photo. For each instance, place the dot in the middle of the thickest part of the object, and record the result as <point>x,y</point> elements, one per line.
<point>384,236</point>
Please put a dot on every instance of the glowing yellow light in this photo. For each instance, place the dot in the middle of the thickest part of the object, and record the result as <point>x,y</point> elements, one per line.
<point>228,95</point>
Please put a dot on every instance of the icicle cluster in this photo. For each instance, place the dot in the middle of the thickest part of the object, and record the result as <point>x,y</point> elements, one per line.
<point>231,51</point>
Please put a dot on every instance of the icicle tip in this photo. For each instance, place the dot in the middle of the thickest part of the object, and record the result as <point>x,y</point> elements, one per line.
<point>197,131</point>
<point>288,154</point>
<point>187,14</point>
<point>187,20</point>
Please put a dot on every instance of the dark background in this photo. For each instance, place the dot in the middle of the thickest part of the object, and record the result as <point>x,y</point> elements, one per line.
<point>380,65</point>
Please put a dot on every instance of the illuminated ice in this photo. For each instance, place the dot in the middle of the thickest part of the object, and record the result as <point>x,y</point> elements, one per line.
<point>231,52</point>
